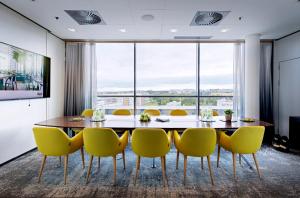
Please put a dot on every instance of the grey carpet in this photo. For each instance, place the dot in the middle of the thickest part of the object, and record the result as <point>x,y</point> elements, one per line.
<point>281,177</point>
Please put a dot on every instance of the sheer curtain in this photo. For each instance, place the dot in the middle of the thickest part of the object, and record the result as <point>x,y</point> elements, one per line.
<point>239,79</point>
<point>80,77</point>
<point>266,92</point>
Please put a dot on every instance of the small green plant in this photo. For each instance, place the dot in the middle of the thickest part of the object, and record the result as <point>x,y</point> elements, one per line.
<point>228,112</point>
<point>145,117</point>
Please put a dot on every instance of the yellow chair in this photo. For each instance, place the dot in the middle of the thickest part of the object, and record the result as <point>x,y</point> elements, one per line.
<point>55,142</point>
<point>198,142</point>
<point>122,112</point>
<point>149,142</point>
<point>215,113</point>
<point>245,140</point>
<point>152,112</point>
<point>88,113</point>
<point>178,112</point>
<point>104,142</point>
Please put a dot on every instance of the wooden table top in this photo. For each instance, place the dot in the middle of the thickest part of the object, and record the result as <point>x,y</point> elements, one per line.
<point>132,122</point>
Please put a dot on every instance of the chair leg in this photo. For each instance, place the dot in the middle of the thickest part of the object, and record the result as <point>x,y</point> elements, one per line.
<point>82,156</point>
<point>210,171</point>
<point>42,168</point>
<point>123,155</point>
<point>184,168</point>
<point>256,164</point>
<point>177,159</point>
<point>162,159</point>
<point>165,164</point>
<point>137,168</point>
<point>89,168</point>
<point>240,159</point>
<point>218,159</point>
<point>59,160</point>
<point>202,163</point>
<point>233,160</point>
<point>115,168</point>
<point>66,168</point>
<point>98,162</point>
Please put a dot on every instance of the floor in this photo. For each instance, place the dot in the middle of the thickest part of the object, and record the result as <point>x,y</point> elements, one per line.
<point>281,177</point>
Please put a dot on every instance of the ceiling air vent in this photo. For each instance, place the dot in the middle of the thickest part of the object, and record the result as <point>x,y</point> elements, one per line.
<point>86,17</point>
<point>192,37</point>
<point>208,17</point>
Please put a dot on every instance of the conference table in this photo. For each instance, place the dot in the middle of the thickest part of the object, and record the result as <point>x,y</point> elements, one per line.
<point>121,123</point>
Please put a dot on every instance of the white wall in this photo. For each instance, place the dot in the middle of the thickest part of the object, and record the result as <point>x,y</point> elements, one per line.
<point>17,117</point>
<point>285,50</point>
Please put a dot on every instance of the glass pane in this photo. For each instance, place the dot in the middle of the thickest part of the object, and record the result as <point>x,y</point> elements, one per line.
<point>218,104</point>
<point>115,68</point>
<point>112,103</point>
<point>165,104</point>
<point>166,68</point>
<point>216,69</point>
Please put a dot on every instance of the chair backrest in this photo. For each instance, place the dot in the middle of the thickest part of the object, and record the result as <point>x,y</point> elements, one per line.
<point>124,112</point>
<point>215,113</point>
<point>51,141</point>
<point>198,141</point>
<point>152,112</point>
<point>246,140</point>
<point>101,141</point>
<point>87,113</point>
<point>149,142</point>
<point>178,112</point>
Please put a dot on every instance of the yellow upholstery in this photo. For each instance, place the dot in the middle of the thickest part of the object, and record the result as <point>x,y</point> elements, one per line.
<point>215,113</point>
<point>149,142</point>
<point>104,142</point>
<point>152,112</point>
<point>124,112</point>
<point>55,142</point>
<point>178,112</point>
<point>196,142</point>
<point>87,113</point>
<point>245,140</point>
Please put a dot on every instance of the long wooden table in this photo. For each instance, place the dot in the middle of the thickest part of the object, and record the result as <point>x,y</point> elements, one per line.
<point>132,122</point>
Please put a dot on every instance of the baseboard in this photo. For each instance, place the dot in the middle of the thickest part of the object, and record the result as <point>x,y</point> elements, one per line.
<point>17,157</point>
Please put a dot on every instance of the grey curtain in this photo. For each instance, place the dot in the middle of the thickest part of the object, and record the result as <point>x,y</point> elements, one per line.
<point>266,81</point>
<point>239,79</point>
<point>79,81</point>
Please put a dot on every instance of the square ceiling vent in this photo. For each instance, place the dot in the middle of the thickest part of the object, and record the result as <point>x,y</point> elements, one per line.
<point>86,17</point>
<point>204,18</point>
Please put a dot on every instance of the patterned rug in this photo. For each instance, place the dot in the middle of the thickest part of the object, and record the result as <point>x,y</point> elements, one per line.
<point>280,177</point>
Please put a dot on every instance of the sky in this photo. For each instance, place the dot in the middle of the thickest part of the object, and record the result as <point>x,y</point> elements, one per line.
<point>164,66</point>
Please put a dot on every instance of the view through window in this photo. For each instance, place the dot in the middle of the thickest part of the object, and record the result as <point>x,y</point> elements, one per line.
<point>164,76</point>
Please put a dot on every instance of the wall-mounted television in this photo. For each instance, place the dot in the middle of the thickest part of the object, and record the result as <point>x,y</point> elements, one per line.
<point>23,74</point>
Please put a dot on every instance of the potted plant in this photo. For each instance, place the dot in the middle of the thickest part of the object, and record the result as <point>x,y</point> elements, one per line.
<point>145,117</point>
<point>228,115</point>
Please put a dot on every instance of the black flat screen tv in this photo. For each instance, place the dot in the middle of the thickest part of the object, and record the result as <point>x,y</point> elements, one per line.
<point>23,74</point>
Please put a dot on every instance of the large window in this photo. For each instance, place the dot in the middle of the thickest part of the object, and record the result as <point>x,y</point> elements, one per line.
<point>165,76</point>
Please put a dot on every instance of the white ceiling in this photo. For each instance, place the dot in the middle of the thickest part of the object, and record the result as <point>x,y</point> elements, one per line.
<point>271,18</point>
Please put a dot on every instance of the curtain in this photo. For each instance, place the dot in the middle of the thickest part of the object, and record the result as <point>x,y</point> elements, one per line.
<point>239,79</point>
<point>266,92</point>
<point>80,77</point>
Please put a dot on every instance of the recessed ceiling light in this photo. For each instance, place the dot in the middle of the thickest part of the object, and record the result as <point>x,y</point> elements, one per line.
<point>71,29</point>
<point>225,30</point>
<point>122,30</point>
<point>173,30</point>
<point>148,17</point>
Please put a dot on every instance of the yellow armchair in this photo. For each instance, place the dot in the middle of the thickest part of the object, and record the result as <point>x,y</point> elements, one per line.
<point>149,142</point>
<point>104,142</point>
<point>245,140</point>
<point>122,112</point>
<point>152,112</point>
<point>88,113</point>
<point>196,142</point>
<point>178,112</point>
<point>55,142</point>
